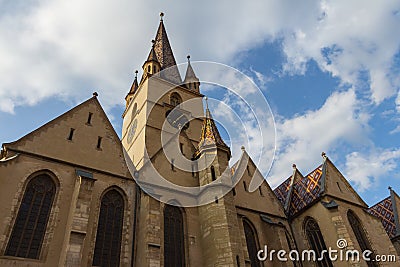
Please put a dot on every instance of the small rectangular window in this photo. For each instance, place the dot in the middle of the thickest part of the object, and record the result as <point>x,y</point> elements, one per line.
<point>245,186</point>
<point>71,134</point>
<point>89,119</point>
<point>216,200</point>
<point>234,191</point>
<point>172,164</point>
<point>99,142</point>
<point>260,190</point>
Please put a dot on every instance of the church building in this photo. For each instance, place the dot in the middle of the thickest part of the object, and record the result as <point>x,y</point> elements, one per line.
<point>73,193</point>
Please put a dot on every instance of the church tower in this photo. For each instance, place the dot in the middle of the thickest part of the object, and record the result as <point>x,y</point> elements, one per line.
<point>149,101</point>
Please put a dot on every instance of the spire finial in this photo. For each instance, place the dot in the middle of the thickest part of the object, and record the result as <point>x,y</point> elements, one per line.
<point>206,99</point>
<point>188,57</point>
<point>390,188</point>
<point>136,72</point>
<point>161,16</point>
<point>294,166</point>
<point>153,43</point>
<point>95,94</point>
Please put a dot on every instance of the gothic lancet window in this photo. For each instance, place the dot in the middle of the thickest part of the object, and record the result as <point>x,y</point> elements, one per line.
<point>109,230</point>
<point>360,235</point>
<point>174,250</point>
<point>33,214</point>
<point>251,243</point>
<point>317,242</point>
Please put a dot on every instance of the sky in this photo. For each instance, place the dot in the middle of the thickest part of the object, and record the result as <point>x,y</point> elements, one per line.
<point>330,71</point>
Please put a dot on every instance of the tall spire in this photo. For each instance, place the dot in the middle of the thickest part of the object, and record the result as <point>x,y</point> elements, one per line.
<point>165,55</point>
<point>210,136</point>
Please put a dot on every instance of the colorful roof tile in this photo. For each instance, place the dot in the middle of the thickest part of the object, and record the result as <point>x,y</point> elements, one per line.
<point>210,135</point>
<point>384,211</point>
<point>304,192</point>
<point>282,190</point>
<point>209,132</point>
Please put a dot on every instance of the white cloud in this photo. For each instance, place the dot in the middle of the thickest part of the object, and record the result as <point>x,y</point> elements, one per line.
<point>302,138</point>
<point>71,48</point>
<point>395,130</point>
<point>366,170</point>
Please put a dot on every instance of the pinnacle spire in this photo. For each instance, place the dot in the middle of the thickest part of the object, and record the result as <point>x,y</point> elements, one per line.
<point>191,81</point>
<point>134,86</point>
<point>209,133</point>
<point>190,75</point>
<point>152,55</point>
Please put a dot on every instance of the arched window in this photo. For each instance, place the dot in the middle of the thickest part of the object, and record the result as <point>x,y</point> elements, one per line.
<point>213,177</point>
<point>251,242</point>
<point>175,99</point>
<point>33,214</point>
<point>174,244</point>
<point>360,235</point>
<point>317,242</point>
<point>109,230</point>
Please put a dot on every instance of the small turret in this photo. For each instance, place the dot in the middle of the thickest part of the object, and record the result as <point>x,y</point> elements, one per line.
<point>191,81</point>
<point>132,91</point>
<point>151,65</point>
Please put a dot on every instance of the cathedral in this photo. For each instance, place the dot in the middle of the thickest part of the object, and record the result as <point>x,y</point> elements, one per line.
<point>73,193</point>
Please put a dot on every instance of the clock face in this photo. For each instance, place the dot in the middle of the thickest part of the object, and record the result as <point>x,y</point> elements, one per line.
<point>132,131</point>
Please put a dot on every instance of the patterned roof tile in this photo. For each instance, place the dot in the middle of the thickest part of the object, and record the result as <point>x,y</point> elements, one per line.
<point>384,211</point>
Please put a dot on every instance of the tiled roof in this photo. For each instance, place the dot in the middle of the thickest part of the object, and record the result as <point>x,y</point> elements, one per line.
<point>165,56</point>
<point>384,211</point>
<point>282,190</point>
<point>304,192</point>
<point>209,134</point>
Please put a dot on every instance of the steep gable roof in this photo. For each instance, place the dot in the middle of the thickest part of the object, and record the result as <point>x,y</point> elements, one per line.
<point>303,191</point>
<point>387,211</point>
<point>94,144</point>
<point>263,199</point>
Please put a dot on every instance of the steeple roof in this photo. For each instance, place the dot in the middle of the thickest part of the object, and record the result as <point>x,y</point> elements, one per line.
<point>387,211</point>
<point>134,86</point>
<point>209,133</point>
<point>152,55</point>
<point>190,75</point>
<point>165,56</point>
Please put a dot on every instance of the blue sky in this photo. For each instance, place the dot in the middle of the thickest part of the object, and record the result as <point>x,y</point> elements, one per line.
<point>330,70</point>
